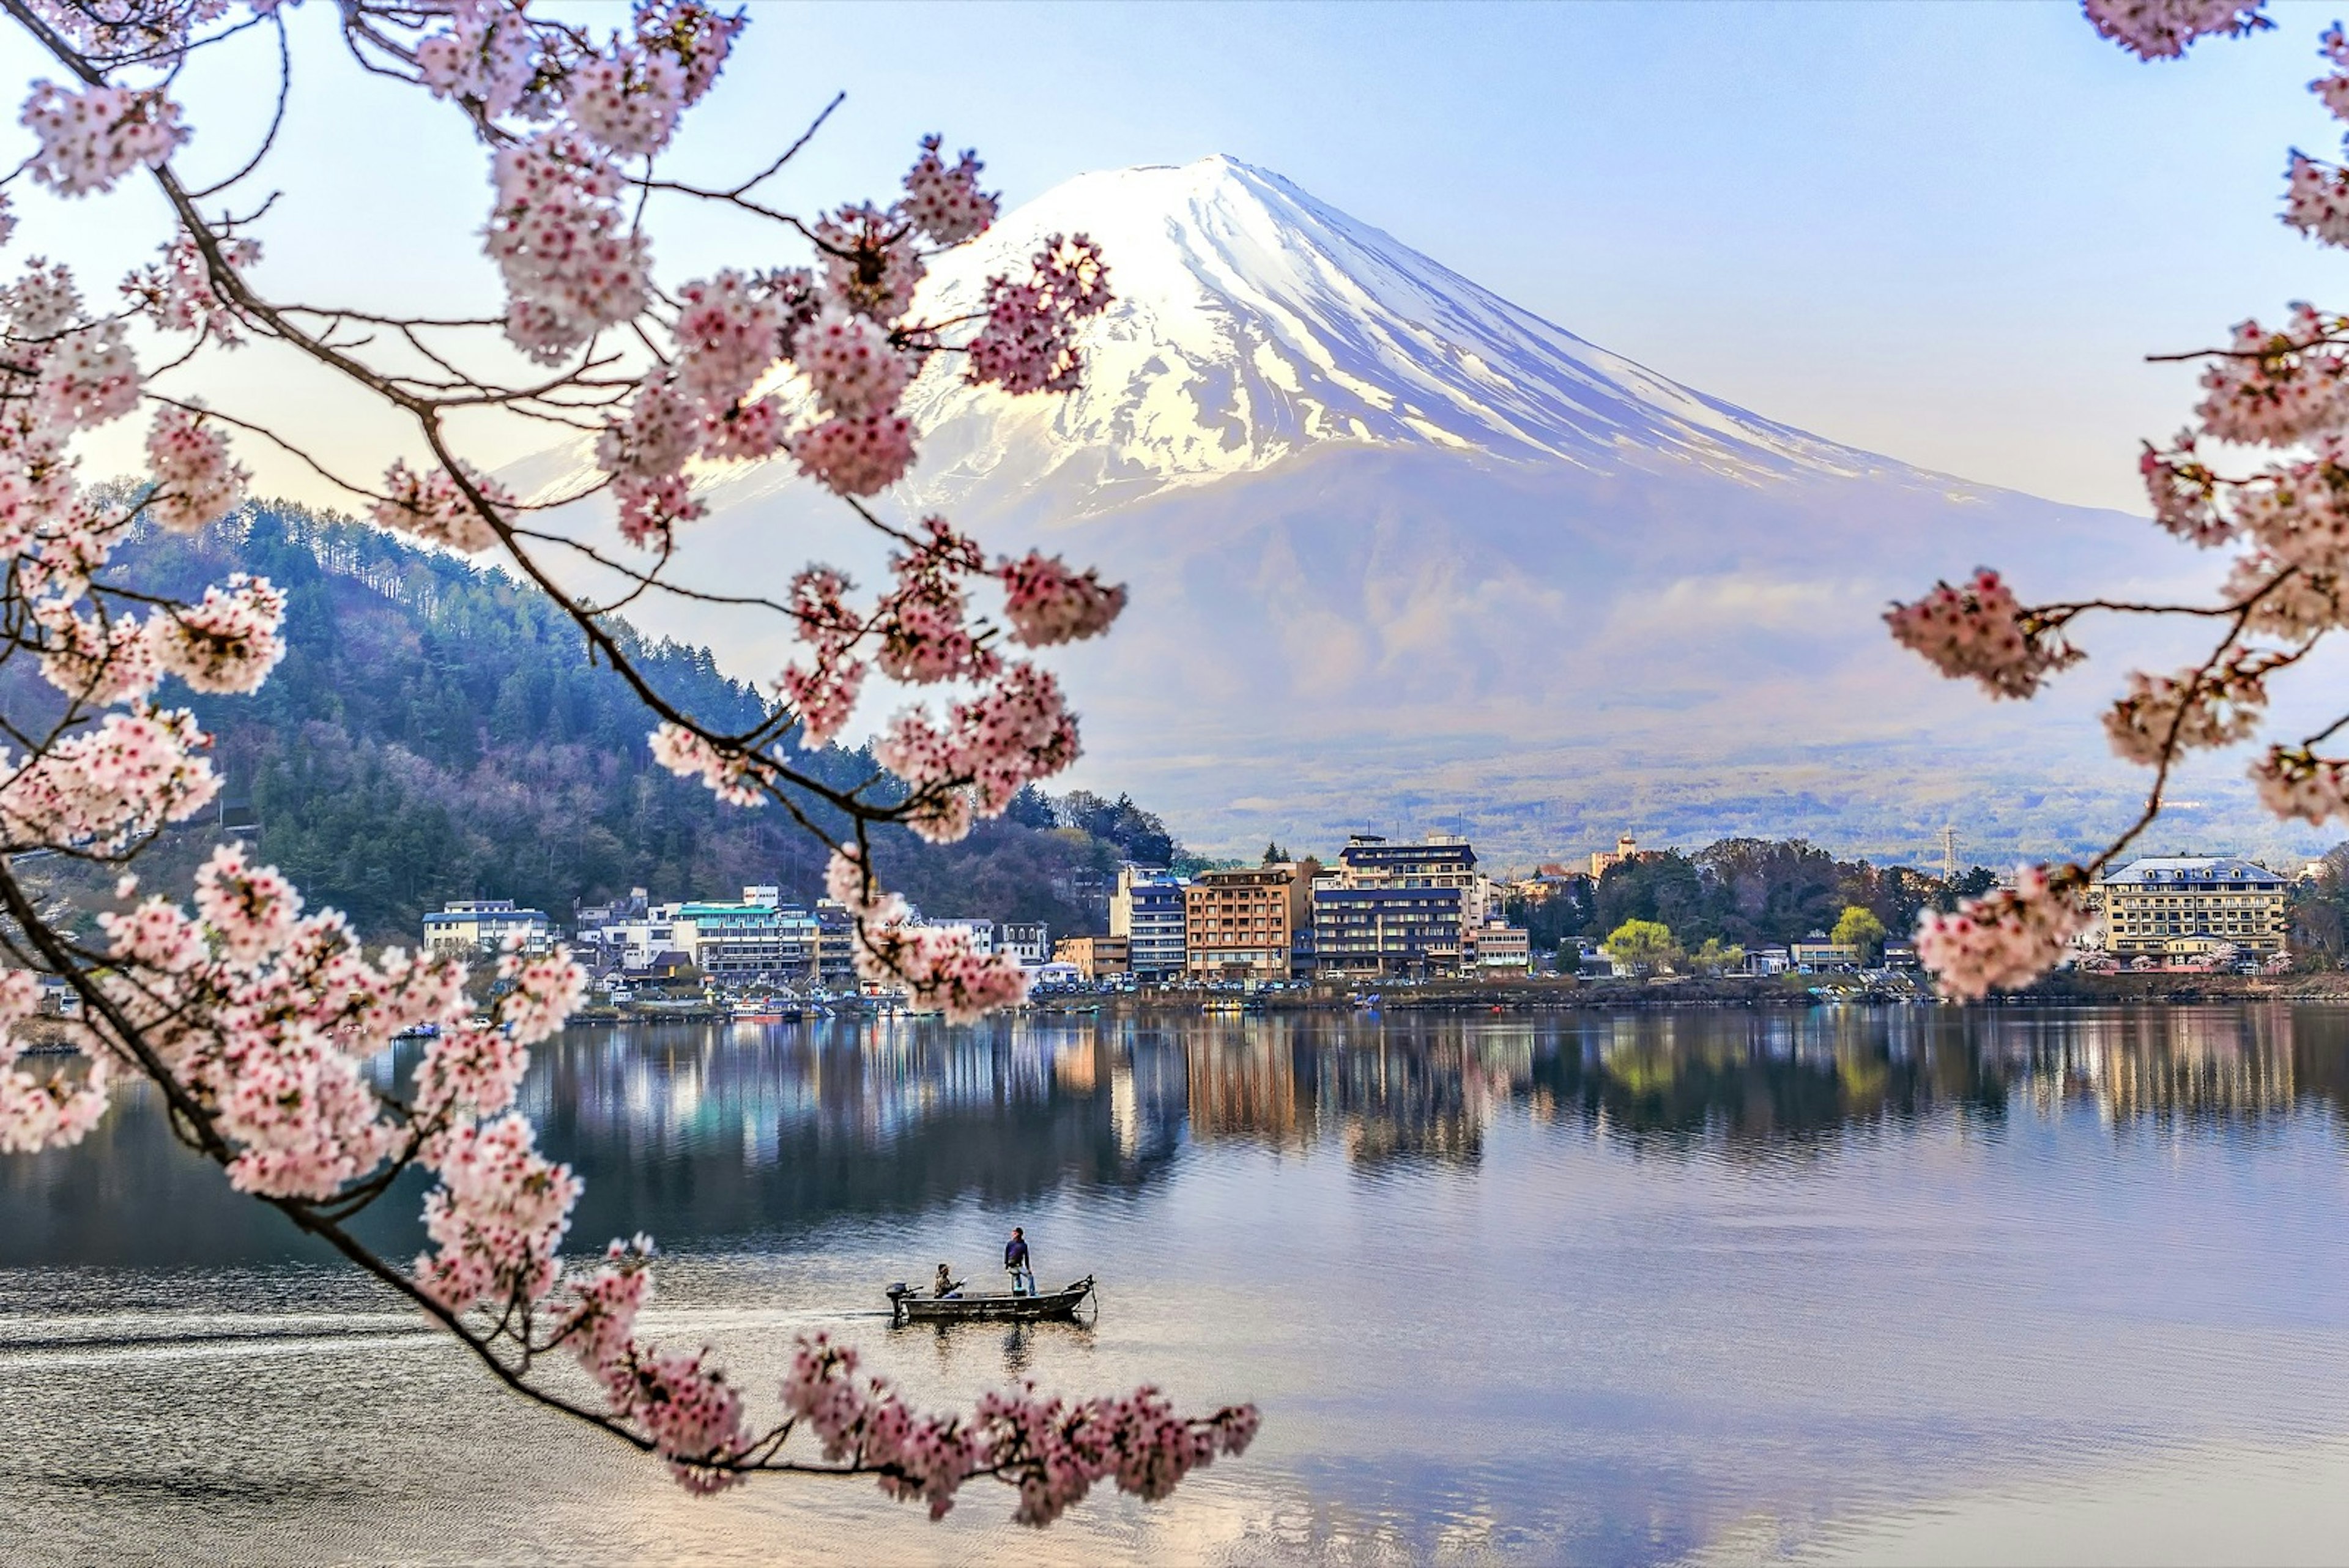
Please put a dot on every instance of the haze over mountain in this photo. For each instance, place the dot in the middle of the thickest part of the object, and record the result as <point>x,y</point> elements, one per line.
<point>1405,555</point>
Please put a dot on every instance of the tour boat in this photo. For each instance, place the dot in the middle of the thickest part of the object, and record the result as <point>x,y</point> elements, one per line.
<point>909,1305</point>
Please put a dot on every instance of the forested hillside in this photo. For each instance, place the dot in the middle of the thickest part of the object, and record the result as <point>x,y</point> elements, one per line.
<point>438,732</point>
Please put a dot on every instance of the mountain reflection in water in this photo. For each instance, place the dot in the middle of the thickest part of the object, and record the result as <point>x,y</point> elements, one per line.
<point>1612,1289</point>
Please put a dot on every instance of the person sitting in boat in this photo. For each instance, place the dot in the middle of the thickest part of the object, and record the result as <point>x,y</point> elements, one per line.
<point>946,1287</point>
<point>1015,1263</point>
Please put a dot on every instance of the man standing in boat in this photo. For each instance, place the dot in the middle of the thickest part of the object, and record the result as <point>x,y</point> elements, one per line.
<point>1015,1263</point>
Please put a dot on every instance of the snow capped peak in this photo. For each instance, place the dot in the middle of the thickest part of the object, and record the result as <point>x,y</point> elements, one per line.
<point>1253,321</point>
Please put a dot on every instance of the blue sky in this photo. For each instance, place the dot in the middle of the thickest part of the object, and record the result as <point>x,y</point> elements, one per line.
<point>1946,233</point>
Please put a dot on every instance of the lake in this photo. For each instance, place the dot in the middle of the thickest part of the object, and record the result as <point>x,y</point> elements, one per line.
<point>1710,1286</point>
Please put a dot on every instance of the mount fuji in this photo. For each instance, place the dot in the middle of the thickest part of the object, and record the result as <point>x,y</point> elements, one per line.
<point>1404,555</point>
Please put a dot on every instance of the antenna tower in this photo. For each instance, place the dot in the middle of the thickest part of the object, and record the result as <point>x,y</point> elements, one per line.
<point>1950,853</point>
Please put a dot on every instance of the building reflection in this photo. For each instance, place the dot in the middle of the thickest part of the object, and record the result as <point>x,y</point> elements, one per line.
<point>760,1133</point>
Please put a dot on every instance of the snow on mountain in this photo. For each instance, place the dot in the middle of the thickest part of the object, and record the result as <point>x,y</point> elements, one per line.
<point>1253,322</point>
<point>1403,554</point>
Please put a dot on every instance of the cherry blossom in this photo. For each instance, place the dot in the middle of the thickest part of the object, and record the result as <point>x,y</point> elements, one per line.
<point>2190,710</point>
<point>734,777</point>
<point>44,1112</point>
<point>728,331</point>
<point>2316,200</point>
<point>2293,782</point>
<point>1029,343</point>
<point>849,361</point>
<point>870,265</point>
<point>196,483</point>
<point>2162,29</point>
<point>497,1217</point>
<point>628,100</point>
<point>176,294</point>
<point>93,138</point>
<point>571,267</point>
<point>944,200</point>
<point>2008,937</point>
<point>857,456</point>
<point>264,1022</point>
<point>1982,631</point>
<point>488,55</point>
<point>1047,603</point>
<point>433,507</point>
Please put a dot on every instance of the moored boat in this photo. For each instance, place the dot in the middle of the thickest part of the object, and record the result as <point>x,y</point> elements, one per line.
<point>909,1305</point>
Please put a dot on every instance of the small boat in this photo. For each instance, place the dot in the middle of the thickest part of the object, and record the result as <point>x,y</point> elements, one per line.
<point>909,1305</point>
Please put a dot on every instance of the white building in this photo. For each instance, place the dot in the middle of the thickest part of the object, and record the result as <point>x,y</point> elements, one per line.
<point>1029,942</point>
<point>1148,911</point>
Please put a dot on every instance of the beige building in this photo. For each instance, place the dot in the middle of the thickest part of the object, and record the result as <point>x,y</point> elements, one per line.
<point>1236,924</point>
<point>1095,956</point>
<point>1626,848</point>
<point>2189,907</point>
<point>468,926</point>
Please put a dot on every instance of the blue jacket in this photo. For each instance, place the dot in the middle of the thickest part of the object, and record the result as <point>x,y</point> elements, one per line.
<point>1015,1253</point>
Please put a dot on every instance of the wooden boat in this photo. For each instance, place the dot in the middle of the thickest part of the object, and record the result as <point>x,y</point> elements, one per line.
<point>909,1305</point>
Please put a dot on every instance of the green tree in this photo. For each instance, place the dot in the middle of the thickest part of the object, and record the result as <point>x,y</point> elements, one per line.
<point>1717,956</point>
<point>1859,928</point>
<point>1642,946</point>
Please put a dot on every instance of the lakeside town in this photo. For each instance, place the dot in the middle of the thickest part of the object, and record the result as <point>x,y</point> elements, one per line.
<point>1380,913</point>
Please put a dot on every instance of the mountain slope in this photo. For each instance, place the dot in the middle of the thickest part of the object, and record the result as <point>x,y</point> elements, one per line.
<point>437,730</point>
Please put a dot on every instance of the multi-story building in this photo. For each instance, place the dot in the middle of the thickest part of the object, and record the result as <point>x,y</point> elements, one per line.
<point>759,941</point>
<point>483,926</point>
<point>1504,950</point>
<point>1399,910</point>
<point>2188,907</point>
<point>1096,957</point>
<point>1236,924</point>
<point>1029,942</point>
<point>1148,911</point>
<point>1817,951</point>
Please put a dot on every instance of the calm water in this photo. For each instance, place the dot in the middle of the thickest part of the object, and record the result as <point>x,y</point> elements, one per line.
<point>1915,1286</point>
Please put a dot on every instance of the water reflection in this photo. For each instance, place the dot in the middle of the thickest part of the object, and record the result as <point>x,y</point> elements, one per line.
<point>748,1134</point>
<point>1762,1271</point>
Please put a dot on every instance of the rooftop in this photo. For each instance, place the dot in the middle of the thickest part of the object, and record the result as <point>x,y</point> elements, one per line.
<point>2192,868</point>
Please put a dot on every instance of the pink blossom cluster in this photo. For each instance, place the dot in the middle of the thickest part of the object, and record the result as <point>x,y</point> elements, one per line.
<point>627,99</point>
<point>938,966</point>
<point>2004,939</point>
<point>1047,603</point>
<point>108,785</point>
<point>2294,781</point>
<point>265,1017</point>
<point>857,456</point>
<point>156,31</point>
<point>177,294</point>
<point>196,481</point>
<point>51,1110</point>
<point>1979,631</point>
<point>2293,603</point>
<point>1015,732</point>
<point>2194,710</point>
<point>734,776</point>
<point>2184,492</point>
<point>488,55</point>
<point>2316,200</point>
<point>434,507</point>
<point>943,200</point>
<point>90,138</point>
<point>1029,344</point>
<point>572,266</point>
<point>1052,1451</point>
<point>2276,388</point>
<point>2162,29</point>
<point>94,659</point>
<point>228,641</point>
<point>498,1216</point>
